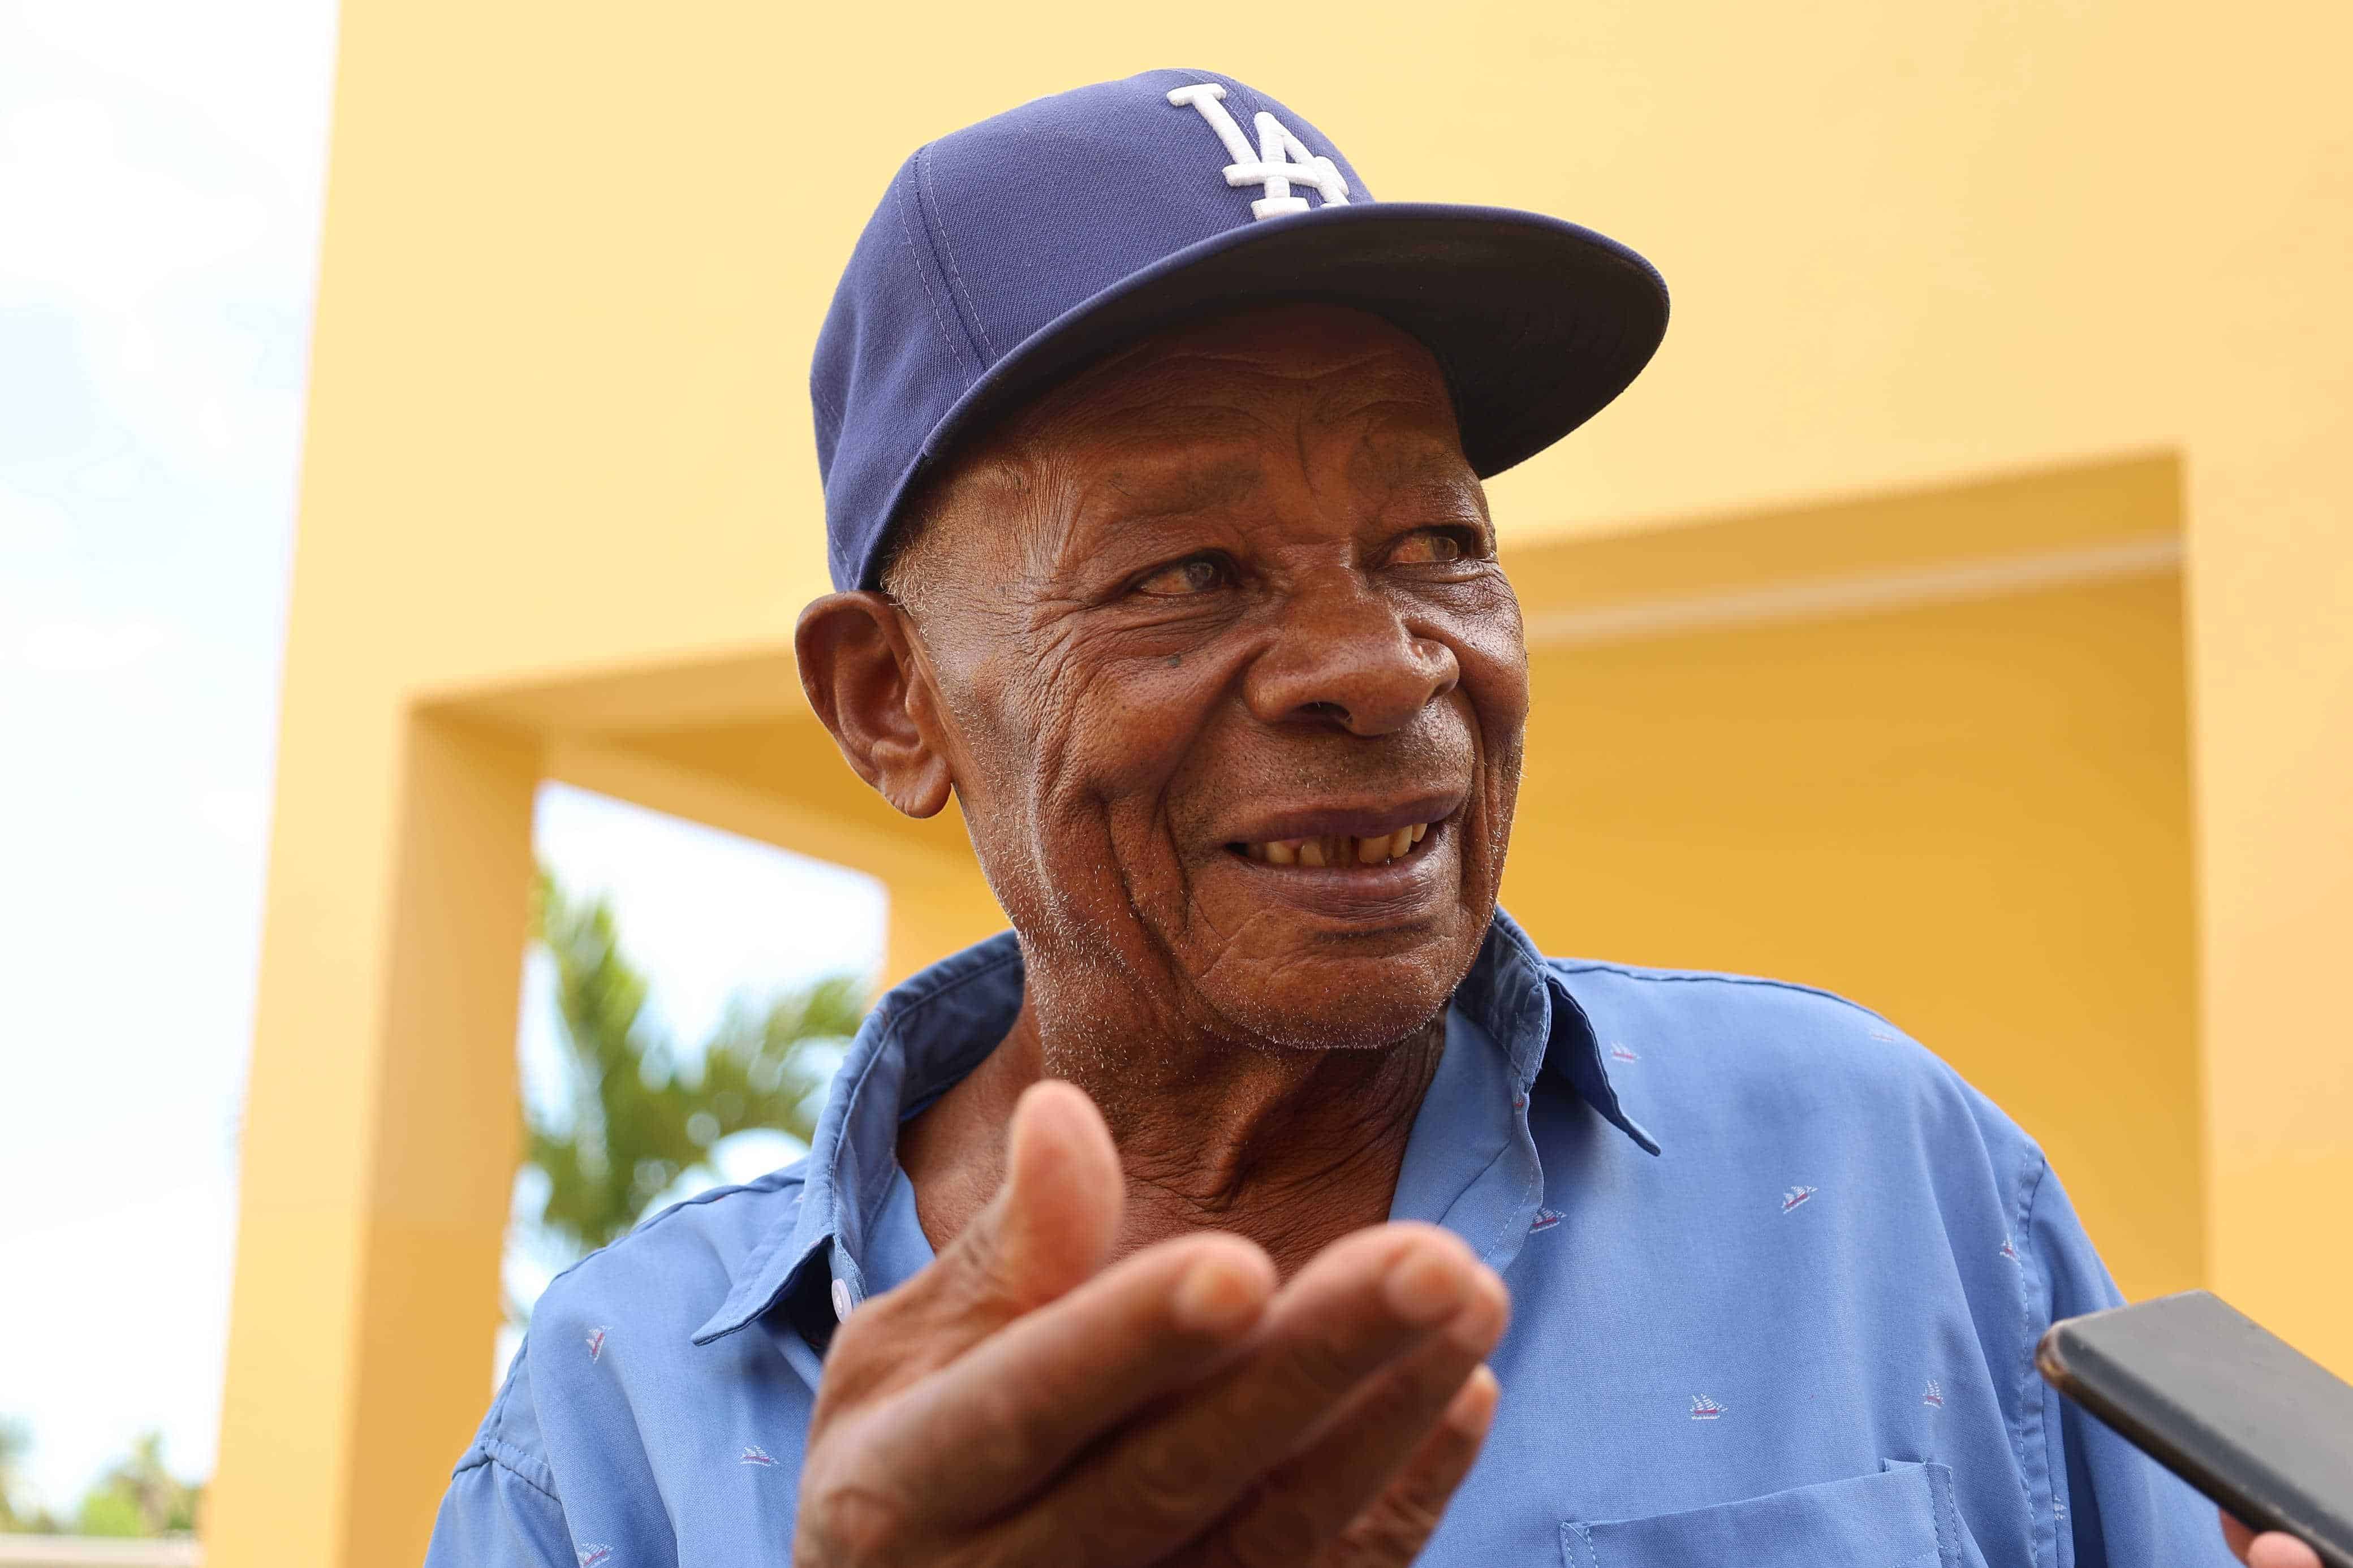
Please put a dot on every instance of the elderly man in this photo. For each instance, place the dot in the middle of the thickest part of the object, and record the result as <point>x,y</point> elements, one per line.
<point>1221,1210</point>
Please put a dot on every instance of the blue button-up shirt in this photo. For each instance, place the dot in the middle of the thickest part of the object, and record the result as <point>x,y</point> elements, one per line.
<point>1777,1277</point>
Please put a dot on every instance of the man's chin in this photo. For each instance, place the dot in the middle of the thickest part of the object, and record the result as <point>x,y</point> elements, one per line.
<point>1367,1003</point>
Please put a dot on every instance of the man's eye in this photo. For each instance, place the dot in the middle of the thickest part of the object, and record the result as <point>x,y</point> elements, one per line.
<point>1198,575</point>
<point>1429,547</point>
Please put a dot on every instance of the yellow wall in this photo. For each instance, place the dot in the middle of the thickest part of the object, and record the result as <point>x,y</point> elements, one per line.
<point>1955,790</point>
<point>559,510</point>
<point>1973,818</point>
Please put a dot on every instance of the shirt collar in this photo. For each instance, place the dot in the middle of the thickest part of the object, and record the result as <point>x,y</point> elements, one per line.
<point>928,1032</point>
<point>1519,998</point>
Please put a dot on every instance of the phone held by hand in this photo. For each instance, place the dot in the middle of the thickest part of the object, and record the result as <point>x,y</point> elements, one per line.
<point>2239,1413</point>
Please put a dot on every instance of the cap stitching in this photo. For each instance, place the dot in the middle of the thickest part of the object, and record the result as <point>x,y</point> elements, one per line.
<point>958,291</point>
<point>827,407</point>
<point>947,339</point>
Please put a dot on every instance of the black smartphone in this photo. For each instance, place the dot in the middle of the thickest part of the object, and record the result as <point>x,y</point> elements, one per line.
<point>2238,1412</point>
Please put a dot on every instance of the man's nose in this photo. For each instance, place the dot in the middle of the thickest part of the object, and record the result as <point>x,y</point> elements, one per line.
<point>1345,657</point>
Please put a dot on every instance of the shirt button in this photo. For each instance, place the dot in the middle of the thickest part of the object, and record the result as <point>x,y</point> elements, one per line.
<point>841,1301</point>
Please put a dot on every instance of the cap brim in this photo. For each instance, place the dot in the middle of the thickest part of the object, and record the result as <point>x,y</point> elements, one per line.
<point>1536,323</point>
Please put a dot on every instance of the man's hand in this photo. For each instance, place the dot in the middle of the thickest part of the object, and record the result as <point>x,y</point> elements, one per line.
<point>1016,1402</point>
<point>2273,1548</point>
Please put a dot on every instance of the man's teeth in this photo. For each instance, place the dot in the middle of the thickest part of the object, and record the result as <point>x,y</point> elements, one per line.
<point>1338,849</point>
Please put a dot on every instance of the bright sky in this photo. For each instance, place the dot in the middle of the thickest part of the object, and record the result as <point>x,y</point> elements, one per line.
<point>160,174</point>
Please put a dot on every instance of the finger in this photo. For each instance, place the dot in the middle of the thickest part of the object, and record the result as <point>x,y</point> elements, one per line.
<point>1392,1532</point>
<point>1051,1222</point>
<point>1308,1500</point>
<point>1050,1226</point>
<point>998,1423</point>
<point>2276,1549</point>
<point>1362,1303</point>
<point>2270,1549</point>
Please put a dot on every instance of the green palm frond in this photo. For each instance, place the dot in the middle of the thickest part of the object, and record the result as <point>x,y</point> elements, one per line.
<point>640,1111</point>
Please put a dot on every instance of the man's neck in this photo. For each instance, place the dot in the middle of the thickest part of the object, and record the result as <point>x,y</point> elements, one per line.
<point>1289,1148</point>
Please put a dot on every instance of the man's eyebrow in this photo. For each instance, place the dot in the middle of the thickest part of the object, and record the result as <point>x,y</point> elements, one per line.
<point>1109,522</point>
<point>1424,475</point>
<point>1447,491</point>
<point>1173,489</point>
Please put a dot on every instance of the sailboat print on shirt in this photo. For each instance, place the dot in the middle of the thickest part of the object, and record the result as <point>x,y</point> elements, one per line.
<point>1704,1408</point>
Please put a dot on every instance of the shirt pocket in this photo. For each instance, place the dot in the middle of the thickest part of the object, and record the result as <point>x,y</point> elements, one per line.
<point>1902,1516</point>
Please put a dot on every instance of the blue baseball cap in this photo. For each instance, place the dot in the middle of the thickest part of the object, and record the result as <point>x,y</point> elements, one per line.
<point>1007,255</point>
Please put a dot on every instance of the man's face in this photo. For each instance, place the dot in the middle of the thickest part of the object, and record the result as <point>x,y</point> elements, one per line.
<point>1231,684</point>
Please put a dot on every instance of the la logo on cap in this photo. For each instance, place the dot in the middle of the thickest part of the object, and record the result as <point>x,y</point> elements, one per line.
<point>1279,158</point>
<point>975,285</point>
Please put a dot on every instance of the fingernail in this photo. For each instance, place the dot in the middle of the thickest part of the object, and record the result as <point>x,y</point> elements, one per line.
<point>1216,1298</point>
<point>1477,1327</point>
<point>1473,1410</point>
<point>1424,1287</point>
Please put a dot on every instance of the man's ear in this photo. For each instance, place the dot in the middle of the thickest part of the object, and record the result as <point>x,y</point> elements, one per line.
<point>859,667</point>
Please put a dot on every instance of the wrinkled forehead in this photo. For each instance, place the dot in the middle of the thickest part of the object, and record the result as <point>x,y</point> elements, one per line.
<point>1188,419</point>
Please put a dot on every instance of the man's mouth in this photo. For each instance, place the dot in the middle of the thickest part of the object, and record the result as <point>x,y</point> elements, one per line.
<point>1336,849</point>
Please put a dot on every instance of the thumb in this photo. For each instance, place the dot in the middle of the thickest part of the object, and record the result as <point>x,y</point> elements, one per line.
<point>1051,1226</point>
<point>1047,1230</point>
